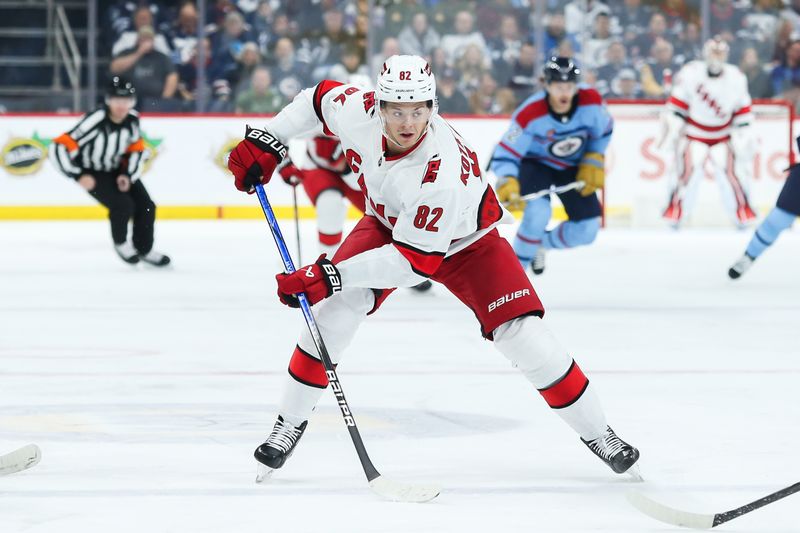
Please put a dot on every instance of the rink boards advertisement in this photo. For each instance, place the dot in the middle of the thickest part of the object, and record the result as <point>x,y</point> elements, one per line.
<point>186,175</point>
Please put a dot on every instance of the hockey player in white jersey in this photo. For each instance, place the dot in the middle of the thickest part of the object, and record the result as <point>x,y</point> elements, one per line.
<point>708,117</point>
<point>430,214</point>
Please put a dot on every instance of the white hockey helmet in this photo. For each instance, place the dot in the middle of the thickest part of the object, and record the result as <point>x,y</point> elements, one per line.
<point>405,79</point>
<point>715,54</point>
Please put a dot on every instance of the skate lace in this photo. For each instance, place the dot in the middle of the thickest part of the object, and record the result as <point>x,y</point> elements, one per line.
<point>609,444</point>
<point>283,436</point>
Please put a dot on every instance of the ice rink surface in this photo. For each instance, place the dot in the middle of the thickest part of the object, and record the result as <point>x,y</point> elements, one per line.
<point>148,390</point>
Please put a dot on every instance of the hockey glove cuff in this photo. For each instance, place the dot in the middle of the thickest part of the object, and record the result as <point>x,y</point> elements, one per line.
<point>317,281</point>
<point>254,159</point>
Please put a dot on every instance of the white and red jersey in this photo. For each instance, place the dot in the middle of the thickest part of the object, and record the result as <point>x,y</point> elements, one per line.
<point>432,197</point>
<point>710,105</point>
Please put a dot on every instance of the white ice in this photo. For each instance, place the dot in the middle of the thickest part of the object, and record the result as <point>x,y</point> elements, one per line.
<point>148,390</point>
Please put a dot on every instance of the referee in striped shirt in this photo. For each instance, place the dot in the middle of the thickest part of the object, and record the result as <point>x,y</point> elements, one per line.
<point>103,153</point>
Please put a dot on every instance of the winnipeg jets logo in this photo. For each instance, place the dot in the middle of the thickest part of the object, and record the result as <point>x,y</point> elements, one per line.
<point>566,147</point>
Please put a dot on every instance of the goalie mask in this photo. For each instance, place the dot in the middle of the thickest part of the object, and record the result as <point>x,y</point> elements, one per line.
<point>715,54</point>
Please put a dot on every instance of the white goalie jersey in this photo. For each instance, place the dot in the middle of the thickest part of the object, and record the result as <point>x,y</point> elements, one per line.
<point>433,197</point>
<point>710,106</point>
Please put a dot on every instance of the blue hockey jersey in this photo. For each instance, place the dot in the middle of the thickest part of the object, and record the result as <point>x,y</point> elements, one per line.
<point>536,134</point>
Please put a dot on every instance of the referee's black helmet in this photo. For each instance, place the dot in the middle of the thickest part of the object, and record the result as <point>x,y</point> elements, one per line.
<point>121,88</point>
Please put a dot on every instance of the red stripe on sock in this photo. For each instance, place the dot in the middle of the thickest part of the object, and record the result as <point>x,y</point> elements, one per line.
<point>330,240</point>
<point>566,390</point>
<point>307,369</point>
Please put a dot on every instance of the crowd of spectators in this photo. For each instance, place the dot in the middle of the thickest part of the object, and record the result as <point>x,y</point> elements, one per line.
<point>260,53</point>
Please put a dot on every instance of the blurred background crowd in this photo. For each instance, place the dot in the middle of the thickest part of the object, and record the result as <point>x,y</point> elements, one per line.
<point>253,56</point>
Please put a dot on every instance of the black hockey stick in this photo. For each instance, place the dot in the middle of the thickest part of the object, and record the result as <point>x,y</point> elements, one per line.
<point>389,489</point>
<point>676,517</point>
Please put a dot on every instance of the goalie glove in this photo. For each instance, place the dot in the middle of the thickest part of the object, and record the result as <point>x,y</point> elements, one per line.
<point>508,194</point>
<point>317,281</point>
<point>592,172</point>
<point>255,158</point>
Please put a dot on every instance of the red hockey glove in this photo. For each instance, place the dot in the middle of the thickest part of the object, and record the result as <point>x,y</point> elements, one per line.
<point>318,281</point>
<point>291,174</point>
<point>254,159</point>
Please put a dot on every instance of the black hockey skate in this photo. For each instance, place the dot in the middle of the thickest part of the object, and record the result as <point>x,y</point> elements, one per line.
<point>279,446</point>
<point>615,452</point>
<point>537,265</point>
<point>425,286</point>
<point>127,253</point>
<point>740,267</point>
<point>154,258</point>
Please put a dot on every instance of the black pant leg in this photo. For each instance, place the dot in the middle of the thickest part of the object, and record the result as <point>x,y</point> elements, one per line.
<point>144,218</point>
<point>120,205</point>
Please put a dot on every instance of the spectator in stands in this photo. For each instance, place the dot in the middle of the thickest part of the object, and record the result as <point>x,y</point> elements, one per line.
<point>183,33</point>
<point>151,72</point>
<point>249,58</point>
<point>726,19</point>
<point>625,85</point>
<point>188,90</point>
<point>792,15</point>
<point>487,99</point>
<point>580,15</point>
<point>418,38</point>
<point>676,14</point>
<point>218,10</point>
<point>451,99</point>
<point>758,82</point>
<point>658,71</point>
<point>260,98</point>
<point>656,29</point>
<point>289,75</point>
<point>472,65</point>
<point>121,17</point>
<point>630,18</point>
<point>594,53</point>
<point>554,34</point>
<point>760,26</point>
<point>352,68</point>
<point>389,48</point>
<point>616,60</point>
<point>325,50</point>
<point>786,76</point>
<point>690,46</point>
<point>524,79</point>
<point>142,17</point>
<point>454,44</point>
<point>504,49</point>
<point>226,46</point>
<point>262,26</point>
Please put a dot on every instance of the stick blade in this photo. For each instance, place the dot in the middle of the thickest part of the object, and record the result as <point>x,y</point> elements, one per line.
<point>401,492</point>
<point>668,515</point>
<point>21,459</point>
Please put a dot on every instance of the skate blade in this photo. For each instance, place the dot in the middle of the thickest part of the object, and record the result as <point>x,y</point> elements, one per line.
<point>635,473</point>
<point>263,472</point>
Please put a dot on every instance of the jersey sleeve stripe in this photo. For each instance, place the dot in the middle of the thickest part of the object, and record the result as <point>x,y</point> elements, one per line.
<point>323,88</point>
<point>137,146</point>
<point>67,141</point>
<point>510,150</point>
<point>422,263</point>
<point>742,111</point>
<point>678,103</point>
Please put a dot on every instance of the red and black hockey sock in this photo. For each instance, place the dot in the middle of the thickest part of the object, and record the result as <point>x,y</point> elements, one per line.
<point>566,390</point>
<point>307,369</point>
